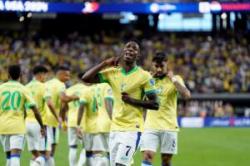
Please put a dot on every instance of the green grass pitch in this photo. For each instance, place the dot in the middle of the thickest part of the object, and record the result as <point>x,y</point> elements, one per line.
<point>197,147</point>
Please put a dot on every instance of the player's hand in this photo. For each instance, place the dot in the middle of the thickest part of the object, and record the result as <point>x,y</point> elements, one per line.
<point>170,74</point>
<point>112,61</point>
<point>126,98</point>
<point>64,126</point>
<point>79,133</point>
<point>43,131</point>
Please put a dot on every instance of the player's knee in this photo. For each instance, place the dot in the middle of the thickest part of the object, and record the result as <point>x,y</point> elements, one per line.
<point>35,153</point>
<point>166,159</point>
<point>148,156</point>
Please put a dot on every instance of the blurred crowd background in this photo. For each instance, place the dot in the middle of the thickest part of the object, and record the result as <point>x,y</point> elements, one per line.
<point>207,64</point>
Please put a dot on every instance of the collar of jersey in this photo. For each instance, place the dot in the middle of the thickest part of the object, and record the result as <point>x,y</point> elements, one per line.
<point>129,72</point>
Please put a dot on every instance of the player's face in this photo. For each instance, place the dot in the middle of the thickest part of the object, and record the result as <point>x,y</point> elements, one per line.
<point>43,77</point>
<point>130,52</point>
<point>159,68</point>
<point>64,76</point>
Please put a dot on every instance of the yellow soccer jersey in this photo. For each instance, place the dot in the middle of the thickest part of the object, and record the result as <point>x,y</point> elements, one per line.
<point>74,105</point>
<point>37,89</point>
<point>96,118</point>
<point>13,98</point>
<point>166,117</point>
<point>136,83</point>
<point>54,88</point>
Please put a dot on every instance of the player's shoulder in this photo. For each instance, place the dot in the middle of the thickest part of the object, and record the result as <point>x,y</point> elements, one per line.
<point>111,69</point>
<point>144,73</point>
<point>103,85</point>
<point>178,77</point>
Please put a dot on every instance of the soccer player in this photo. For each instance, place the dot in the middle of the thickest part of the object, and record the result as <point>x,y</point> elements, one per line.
<point>55,95</point>
<point>161,127</point>
<point>97,103</point>
<point>72,108</point>
<point>129,83</point>
<point>36,143</point>
<point>13,98</point>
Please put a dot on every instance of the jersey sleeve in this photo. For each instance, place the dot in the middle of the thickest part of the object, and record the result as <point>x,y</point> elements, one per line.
<point>180,80</point>
<point>149,84</point>
<point>47,92</point>
<point>29,101</point>
<point>84,97</point>
<point>104,75</point>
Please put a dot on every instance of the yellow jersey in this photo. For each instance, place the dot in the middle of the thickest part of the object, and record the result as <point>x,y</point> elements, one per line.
<point>53,89</point>
<point>136,83</point>
<point>74,105</point>
<point>166,117</point>
<point>96,118</point>
<point>13,98</point>
<point>37,90</point>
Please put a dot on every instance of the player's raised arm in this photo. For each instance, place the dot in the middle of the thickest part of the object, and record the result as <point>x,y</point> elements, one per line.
<point>179,85</point>
<point>149,103</point>
<point>91,76</point>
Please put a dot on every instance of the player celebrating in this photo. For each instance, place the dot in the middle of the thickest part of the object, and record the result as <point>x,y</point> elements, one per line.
<point>97,102</point>
<point>129,83</point>
<point>55,95</point>
<point>36,143</point>
<point>72,108</point>
<point>13,98</point>
<point>161,127</point>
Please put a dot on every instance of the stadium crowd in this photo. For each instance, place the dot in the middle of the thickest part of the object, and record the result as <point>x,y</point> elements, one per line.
<point>208,64</point>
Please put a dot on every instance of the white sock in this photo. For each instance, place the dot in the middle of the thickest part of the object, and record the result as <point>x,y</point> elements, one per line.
<point>102,161</point>
<point>15,160</point>
<point>41,160</point>
<point>72,156</point>
<point>51,161</point>
<point>8,162</point>
<point>82,159</point>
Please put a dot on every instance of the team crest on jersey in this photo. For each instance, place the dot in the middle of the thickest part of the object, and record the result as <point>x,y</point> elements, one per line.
<point>152,82</point>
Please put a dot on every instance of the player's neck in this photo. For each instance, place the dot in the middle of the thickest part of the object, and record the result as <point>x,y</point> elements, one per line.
<point>127,67</point>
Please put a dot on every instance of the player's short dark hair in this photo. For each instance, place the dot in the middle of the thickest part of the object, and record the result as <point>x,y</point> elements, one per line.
<point>159,57</point>
<point>39,69</point>
<point>62,68</point>
<point>14,72</point>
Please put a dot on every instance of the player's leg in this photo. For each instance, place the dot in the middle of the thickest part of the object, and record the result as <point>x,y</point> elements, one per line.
<point>33,140</point>
<point>48,153</point>
<point>6,147</point>
<point>168,147</point>
<point>88,142</point>
<point>72,142</point>
<point>16,146</point>
<point>113,147</point>
<point>100,149</point>
<point>55,140</point>
<point>129,142</point>
<point>149,144</point>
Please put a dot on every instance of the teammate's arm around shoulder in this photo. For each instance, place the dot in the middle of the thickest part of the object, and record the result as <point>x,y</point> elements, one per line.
<point>66,98</point>
<point>179,84</point>
<point>91,75</point>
